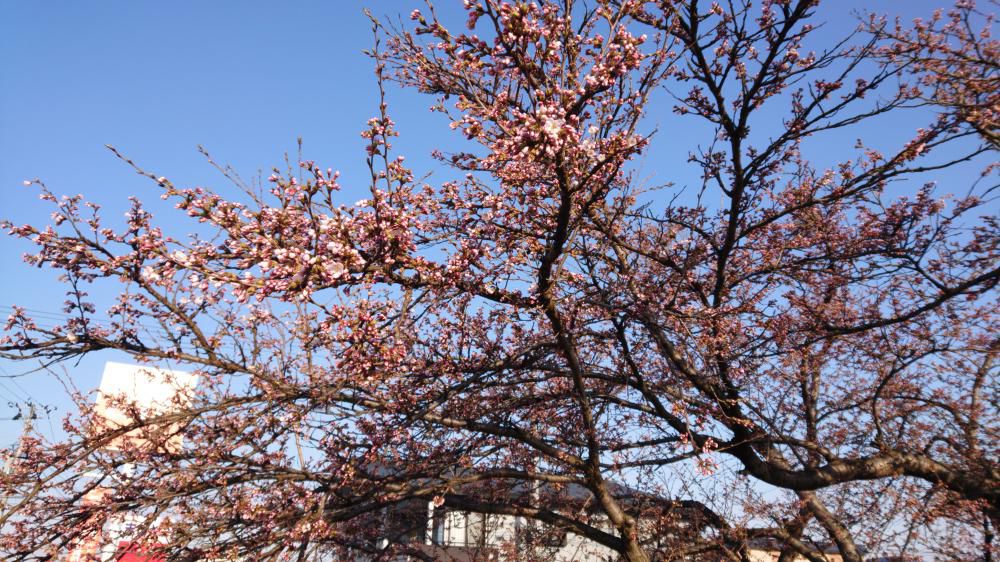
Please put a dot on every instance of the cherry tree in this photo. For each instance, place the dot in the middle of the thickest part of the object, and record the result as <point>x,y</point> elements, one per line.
<point>798,345</point>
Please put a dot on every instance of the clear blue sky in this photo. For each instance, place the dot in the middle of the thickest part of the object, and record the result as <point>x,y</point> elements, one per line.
<point>156,79</point>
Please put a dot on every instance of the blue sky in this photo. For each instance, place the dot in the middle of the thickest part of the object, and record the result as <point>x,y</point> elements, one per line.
<point>244,79</point>
<point>155,79</point>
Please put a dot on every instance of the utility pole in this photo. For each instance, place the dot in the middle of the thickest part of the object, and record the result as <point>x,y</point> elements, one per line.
<point>27,413</point>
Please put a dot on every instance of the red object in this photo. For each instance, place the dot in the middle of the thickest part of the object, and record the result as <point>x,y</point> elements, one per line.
<point>129,552</point>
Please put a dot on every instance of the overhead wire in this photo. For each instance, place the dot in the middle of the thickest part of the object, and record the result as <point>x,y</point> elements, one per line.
<point>24,397</point>
<point>52,319</point>
<point>48,320</point>
<point>10,392</point>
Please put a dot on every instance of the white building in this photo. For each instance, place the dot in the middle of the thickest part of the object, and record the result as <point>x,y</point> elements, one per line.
<point>468,536</point>
<point>456,535</point>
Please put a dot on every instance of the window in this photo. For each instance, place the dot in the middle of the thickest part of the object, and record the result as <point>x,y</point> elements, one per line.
<point>476,529</point>
<point>437,526</point>
<point>458,528</point>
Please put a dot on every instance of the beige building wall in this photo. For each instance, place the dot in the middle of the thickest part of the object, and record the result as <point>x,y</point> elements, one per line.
<point>149,390</point>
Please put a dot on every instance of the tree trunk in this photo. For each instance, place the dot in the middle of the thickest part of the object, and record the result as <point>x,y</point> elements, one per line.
<point>634,552</point>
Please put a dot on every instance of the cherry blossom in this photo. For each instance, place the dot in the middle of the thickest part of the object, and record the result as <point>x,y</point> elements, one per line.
<point>796,343</point>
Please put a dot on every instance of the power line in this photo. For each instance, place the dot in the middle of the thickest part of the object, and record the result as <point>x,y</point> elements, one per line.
<point>12,392</point>
<point>48,320</point>
<point>7,394</point>
<point>8,397</point>
<point>13,379</point>
<point>17,396</point>
<point>52,430</point>
<point>60,316</point>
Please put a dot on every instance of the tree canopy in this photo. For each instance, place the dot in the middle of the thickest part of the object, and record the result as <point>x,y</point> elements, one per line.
<point>801,346</point>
